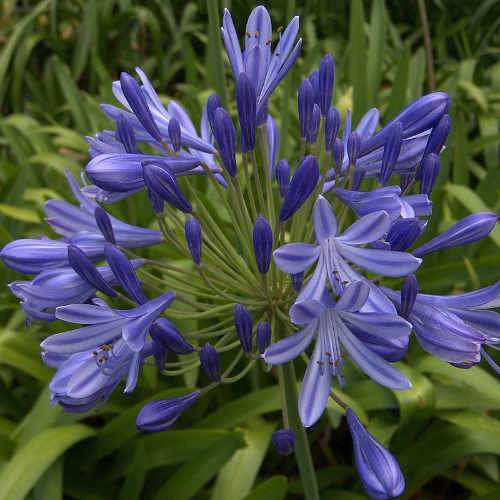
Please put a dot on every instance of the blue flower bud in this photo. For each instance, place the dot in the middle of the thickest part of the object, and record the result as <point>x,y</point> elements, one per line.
<point>163,183</point>
<point>283,176</point>
<point>297,280</point>
<point>246,102</point>
<point>263,335</point>
<point>243,323</point>
<point>312,133</point>
<point>225,135</point>
<point>192,231</point>
<point>472,228</point>
<point>409,292</point>
<point>262,244</point>
<point>301,186</point>
<point>332,126</point>
<point>305,101</point>
<point>353,147</point>
<point>156,202</point>
<point>284,441</point>
<point>438,136</point>
<point>210,362</point>
<point>125,134</point>
<point>314,81</point>
<point>357,179</point>
<point>377,467</point>
<point>213,102</point>
<point>429,173</point>
<point>165,333</point>
<point>104,224</point>
<point>84,267</point>
<point>124,273</point>
<point>392,148</point>
<point>338,154</point>
<point>159,354</point>
<point>174,134</point>
<point>159,415</point>
<point>326,79</point>
<point>137,102</point>
<point>403,233</point>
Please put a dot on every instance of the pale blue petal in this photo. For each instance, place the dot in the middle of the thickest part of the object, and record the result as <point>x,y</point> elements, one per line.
<point>294,258</point>
<point>324,220</point>
<point>354,297</point>
<point>369,228</point>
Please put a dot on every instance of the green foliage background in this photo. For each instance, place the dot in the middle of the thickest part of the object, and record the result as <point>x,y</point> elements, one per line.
<point>57,61</point>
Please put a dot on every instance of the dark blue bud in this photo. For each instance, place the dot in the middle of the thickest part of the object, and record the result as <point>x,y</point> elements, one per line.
<point>338,153</point>
<point>137,102</point>
<point>174,134</point>
<point>161,414</point>
<point>377,467</point>
<point>225,135</point>
<point>162,182</point>
<point>357,179</point>
<point>438,136</point>
<point>262,114</point>
<point>312,133</point>
<point>125,134</point>
<point>392,148</point>
<point>166,333</point>
<point>262,244</point>
<point>429,173</point>
<point>283,176</point>
<point>243,323</point>
<point>192,231</point>
<point>210,362</point>
<point>353,147</point>
<point>297,280</point>
<point>403,233</point>
<point>326,79</point>
<point>156,202</point>
<point>124,273</point>
<point>314,81</point>
<point>332,126</point>
<point>213,103</point>
<point>103,222</point>
<point>409,292</point>
<point>159,354</point>
<point>263,335</point>
<point>305,101</point>
<point>85,268</point>
<point>284,441</point>
<point>301,186</point>
<point>246,102</point>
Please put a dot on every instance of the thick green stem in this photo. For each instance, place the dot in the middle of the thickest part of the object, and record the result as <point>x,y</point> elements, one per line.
<point>288,385</point>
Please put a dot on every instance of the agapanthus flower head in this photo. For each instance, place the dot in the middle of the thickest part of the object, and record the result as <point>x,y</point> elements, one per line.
<point>158,416</point>
<point>377,467</point>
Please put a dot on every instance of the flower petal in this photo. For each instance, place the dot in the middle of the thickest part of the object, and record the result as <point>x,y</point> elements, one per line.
<point>296,257</point>
<point>324,220</point>
<point>369,228</point>
<point>354,297</point>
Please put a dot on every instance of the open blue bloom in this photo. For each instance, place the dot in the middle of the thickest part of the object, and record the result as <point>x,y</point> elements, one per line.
<point>456,328</point>
<point>263,67</point>
<point>367,337</point>
<point>58,287</point>
<point>377,467</point>
<point>105,325</point>
<point>333,251</point>
<point>87,378</point>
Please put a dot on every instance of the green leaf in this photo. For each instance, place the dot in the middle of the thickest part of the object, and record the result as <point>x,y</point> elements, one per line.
<point>191,477</point>
<point>87,31</point>
<point>357,57</point>
<point>376,52</point>
<point>50,484</point>
<point>273,488</point>
<point>136,474</point>
<point>244,464</point>
<point>19,213</point>
<point>473,203</point>
<point>31,460</point>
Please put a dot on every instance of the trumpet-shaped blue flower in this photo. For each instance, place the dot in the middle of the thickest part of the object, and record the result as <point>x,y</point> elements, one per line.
<point>262,66</point>
<point>368,338</point>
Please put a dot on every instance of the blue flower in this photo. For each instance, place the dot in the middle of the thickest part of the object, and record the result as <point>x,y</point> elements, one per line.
<point>455,328</point>
<point>263,67</point>
<point>105,325</point>
<point>58,287</point>
<point>368,337</point>
<point>332,252</point>
<point>284,441</point>
<point>377,467</point>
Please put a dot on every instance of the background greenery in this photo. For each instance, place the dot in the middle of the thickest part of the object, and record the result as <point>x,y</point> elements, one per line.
<point>57,61</point>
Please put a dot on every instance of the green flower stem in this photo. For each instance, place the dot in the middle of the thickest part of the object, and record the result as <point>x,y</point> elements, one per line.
<point>288,385</point>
